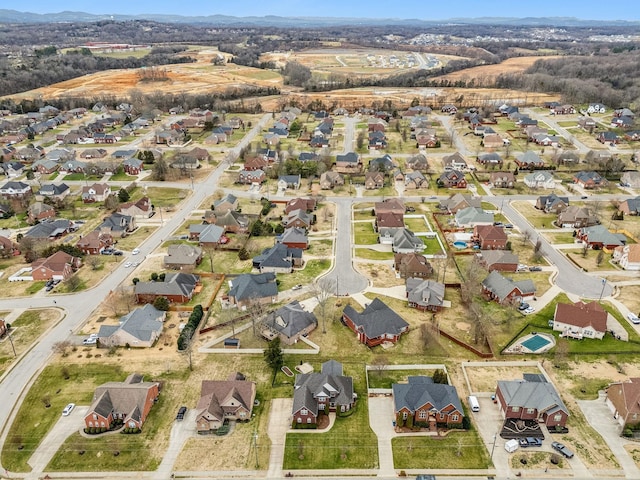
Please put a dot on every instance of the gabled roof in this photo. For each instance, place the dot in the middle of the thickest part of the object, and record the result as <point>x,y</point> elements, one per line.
<point>541,396</point>
<point>126,397</point>
<point>182,254</point>
<point>221,397</point>
<point>471,215</point>
<point>600,234</point>
<point>142,323</point>
<point>420,391</point>
<point>293,235</point>
<point>377,319</point>
<point>491,257</point>
<point>55,262</point>
<point>329,382</point>
<point>350,157</point>
<point>425,293</point>
<point>502,286</point>
<point>278,256</point>
<point>531,157</point>
<point>457,200</point>
<point>53,189</point>
<point>50,229</point>
<point>290,320</point>
<point>173,284</point>
<point>548,202</point>
<point>247,286</point>
<point>491,232</point>
<point>582,315</point>
<point>404,239</point>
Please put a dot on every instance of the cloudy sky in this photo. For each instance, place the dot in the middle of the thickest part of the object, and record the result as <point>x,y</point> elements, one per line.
<point>420,9</point>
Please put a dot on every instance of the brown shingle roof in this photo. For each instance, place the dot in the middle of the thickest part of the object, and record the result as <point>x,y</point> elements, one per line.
<point>582,315</point>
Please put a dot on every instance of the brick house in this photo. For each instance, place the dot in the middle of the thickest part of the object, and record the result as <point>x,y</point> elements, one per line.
<point>182,257</point>
<point>58,266</point>
<point>589,180</point>
<point>490,237</point>
<point>248,288</point>
<point>427,403</point>
<point>348,163</point>
<point>502,179</point>
<point>500,260</point>
<point>294,238</point>
<point>322,392</point>
<point>504,290</point>
<point>623,399</point>
<point>289,322</point>
<point>39,211</point>
<point>94,242</point>
<point>412,265</point>
<point>129,402</point>
<point>630,206</point>
<point>376,324</point>
<point>425,295</point>
<point>222,400</point>
<point>532,398</point>
<point>139,328</point>
<point>176,287</point>
<point>580,320</point>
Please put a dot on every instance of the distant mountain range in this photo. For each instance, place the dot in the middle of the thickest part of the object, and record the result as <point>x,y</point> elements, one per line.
<point>14,16</point>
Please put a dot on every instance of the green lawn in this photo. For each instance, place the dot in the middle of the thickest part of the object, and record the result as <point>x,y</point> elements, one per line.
<point>560,237</point>
<point>364,234</point>
<point>371,254</point>
<point>432,246</point>
<point>385,378</point>
<point>35,287</point>
<point>456,450</point>
<point>415,224</point>
<point>330,450</point>
<point>308,274</point>
<point>536,217</point>
<point>160,196</point>
<point>34,420</point>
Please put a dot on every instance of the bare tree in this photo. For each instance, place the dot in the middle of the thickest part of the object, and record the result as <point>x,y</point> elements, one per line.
<point>256,310</point>
<point>526,236</point>
<point>323,290</point>
<point>61,347</point>
<point>379,364</point>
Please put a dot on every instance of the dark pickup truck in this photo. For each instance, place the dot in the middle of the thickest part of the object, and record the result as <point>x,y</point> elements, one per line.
<point>530,442</point>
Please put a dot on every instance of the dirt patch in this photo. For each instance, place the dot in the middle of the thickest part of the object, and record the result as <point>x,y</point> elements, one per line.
<point>510,65</point>
<point>464,326</point>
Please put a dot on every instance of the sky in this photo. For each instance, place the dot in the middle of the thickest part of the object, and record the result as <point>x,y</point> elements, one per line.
<point>420,9</point>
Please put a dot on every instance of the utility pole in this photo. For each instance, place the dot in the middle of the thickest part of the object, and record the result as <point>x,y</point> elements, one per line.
<point>11,342</point>
<point>255,445</point>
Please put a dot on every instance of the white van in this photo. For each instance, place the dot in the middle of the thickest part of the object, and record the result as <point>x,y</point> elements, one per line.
<point>511,445</point>
<point>474,404</point>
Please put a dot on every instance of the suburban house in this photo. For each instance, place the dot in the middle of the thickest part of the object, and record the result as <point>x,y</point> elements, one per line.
<point>298,218</point>
<point>98,192</point>
<point>139,328</point>
<point>580,320</point>
<point>502,179</point>
<point>128,402</point>
<point>223,400</point>
<point>278,259</point>
<point>51,229</point>
<point>39,211</point>
<point>459,201</point>
<point>530,160</point>
<point>7,247</point>
<point>589,180</point>
<point>289,181</point>
<point>252,177</point>
<point>552,203</point>
<point>608,138</point>
<point>504,290</point>
<point>133,166</point>
<point>140,209</point>
<point>452,179</point>
<point>472,216</point>
<point>54,192</point>
<point>454,162</point>
<point>176,287</point>
<point>256,163</point>
<point>631,179</point>
<point>348,163</point>
<point>576,217</point>
<point>58,266</point>
<point>402,240</point>
<point>623,399</point>
<point>328,180</point>
<point>598,237</point>
<point>225,204</point>
<point>427,403</point>
<point>627,256</point>
<point>426,295</point>
<point>94,242</point>
<point>289,322</point>
<point>376,324</point>
<point>490,159</point>
<point>414,180</point>
<point>207,235</point>
<point>532,398</point>
<point>631,206</point>
<point>322,392</point>
<point>373,180</point>
<point>306,204</point>
<point>248,288</point>
<point>490,237</point>
<point>382,164</point>
<point>229,221</point>
<point>412,264</point>
<point>182,257</point>
<point>418,163</point>
<point>500,260</point>
<point>294,238</point>
<point>13,190</point>
<point>389,220</point>
<point>118,224</point>
<point>390,205</point>
<point>540,179</point>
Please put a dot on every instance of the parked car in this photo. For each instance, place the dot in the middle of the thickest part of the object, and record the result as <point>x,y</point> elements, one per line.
<point>535,269</point>
<point>529,310</point>
<point>127,265</point>
<point>67,410</point>
<point>633,318</point>
<point>181,412</point>
<point>550,322</point>
<point>118,253</point>
<point>297,287</point>
<point>522,268</point>
<point>90,341</point>
<point>523,306</point>
<point>508,225</point>
<point>135,251</point>
<point>584,197</point>
<point>530,442</point>
<point>559,447</point>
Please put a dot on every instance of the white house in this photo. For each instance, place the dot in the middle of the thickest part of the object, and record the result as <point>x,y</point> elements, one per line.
<point>596,108</point>
<point>628,256</point>
<point>540,179</point>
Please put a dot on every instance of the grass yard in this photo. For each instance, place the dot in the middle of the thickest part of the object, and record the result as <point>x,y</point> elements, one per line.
<point>456,450</point>
<point>326,451</point>
<point>415,224</point>
<point>371,254</point>
<point>320,248</point>
<point>136,238</point>
<point>364,234</point>
<point>311,271</point>
<point>362,215</point>
<point>161,197</point>
<point>224,262</point>
<point>385,378</point>
<point>432,246</point>
<point>537,218</point>
<point>590,262</point>
<point>560,237</point>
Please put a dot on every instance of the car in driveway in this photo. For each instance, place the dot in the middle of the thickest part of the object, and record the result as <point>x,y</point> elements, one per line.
<point>181,411</point>
<point>633,318</point>
<point>562,449</point>
<point>523,306</point>
<point>68,409</point>
<point>90,341</point>
<point>528,310</point>
<point>535,269</point>
<point>297,287</point>
<point>530,442</point>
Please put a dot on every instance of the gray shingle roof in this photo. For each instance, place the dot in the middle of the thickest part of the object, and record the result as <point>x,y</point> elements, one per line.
<point>425,293</point>
<point>420,391</point>
<point>377,319</point>
<point>248,286</point>
<point>174,284</point>
<point>290,319</point>
<point>308,387</point>
<point>524,394</point>
<point>141,323</point>
<point>501,286</point>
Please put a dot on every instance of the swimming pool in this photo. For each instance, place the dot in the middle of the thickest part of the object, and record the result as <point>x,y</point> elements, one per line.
<point>460,244</point>
<point>535,343</point>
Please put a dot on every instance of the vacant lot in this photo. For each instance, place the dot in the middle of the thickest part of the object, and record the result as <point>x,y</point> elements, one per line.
<point>510,65</point>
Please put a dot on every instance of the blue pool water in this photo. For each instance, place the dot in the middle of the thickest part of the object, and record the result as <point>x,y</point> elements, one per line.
<point>460,244</point>
<point>535,343</point>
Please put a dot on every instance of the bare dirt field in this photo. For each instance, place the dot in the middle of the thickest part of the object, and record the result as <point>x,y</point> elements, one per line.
<point>510,65</point>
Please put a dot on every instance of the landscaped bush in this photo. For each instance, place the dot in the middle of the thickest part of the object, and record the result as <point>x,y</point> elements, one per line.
<point>304,426</point>
<point>192,325</point>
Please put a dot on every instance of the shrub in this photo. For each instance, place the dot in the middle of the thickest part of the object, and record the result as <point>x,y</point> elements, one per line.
<point>627,433</point>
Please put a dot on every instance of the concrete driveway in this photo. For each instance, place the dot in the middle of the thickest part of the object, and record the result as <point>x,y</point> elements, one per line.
<point>49,446</point>
<point>601,419</point>
<point>181,431</point>
<point>381,421</point>
<point>488,421</point>
<point>279,423</point>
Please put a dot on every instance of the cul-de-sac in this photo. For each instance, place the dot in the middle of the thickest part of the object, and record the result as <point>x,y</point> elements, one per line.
<point>320,247</point>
